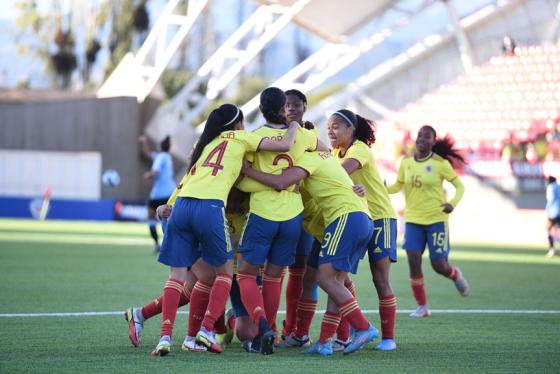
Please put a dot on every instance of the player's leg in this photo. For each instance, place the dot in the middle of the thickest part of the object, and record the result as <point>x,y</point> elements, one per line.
<point>382,251</point>
<point>438,243</point>
<point>152,223</point>
<point>253,248</point>
<point>551,228</point>
<point>414,245</point>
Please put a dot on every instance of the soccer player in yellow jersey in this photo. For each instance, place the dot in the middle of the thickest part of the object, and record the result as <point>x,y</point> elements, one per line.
<point>197,235</point>
<point>351,136</point>
<point>348,230</point>
<point>427,210</point>
<point>274,222</point>
<point>296,105</point>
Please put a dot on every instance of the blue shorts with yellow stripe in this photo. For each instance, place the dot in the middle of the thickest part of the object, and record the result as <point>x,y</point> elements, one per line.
<point>345,241</point>
<point>435,235</point>
<point>196,228</point>
<point>384,240</point>
<point>274,241</point>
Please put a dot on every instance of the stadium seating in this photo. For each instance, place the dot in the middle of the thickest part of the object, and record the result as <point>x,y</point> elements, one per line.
<point>509,96</point>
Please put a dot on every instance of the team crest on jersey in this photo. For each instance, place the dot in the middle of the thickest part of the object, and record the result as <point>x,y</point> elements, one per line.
<point>429,168</point>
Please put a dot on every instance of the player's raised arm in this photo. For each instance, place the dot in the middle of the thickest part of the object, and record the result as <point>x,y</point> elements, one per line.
<point>283,145</point>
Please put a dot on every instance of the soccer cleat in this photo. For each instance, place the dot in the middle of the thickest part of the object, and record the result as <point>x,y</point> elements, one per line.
<point>339,345</point>
<point>163,347</point>
<point>323,349</point>
<point>134,326</point>
<point>267,337</point>
<point>293,341</point>
<point>360,339</point>
<point>208,339</point>
<point>386,345</point>
<point>551,253</point>
<point>190,345</point>
<point>250,346</point>
<point>229,331</point>
<point>461,284</point>
<point>420,312</point>
<point>221,339</point>
<point>157,248</point>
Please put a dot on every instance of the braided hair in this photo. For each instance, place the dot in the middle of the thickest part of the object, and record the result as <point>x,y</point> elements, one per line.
<point>272,101</point>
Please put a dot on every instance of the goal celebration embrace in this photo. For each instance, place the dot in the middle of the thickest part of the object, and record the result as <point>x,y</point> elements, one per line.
<point>257,209</point>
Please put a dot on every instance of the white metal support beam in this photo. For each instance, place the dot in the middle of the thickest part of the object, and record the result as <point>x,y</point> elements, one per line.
<point>136,75</point>
<point>465,49</point>
<point>331,59</point>
<point>399,62</point>
<point>223,67</point>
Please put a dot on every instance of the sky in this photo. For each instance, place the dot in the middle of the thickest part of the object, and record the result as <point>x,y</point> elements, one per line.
<point>14,67</point>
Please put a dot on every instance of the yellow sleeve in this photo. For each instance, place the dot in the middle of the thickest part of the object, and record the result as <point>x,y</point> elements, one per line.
<point>252,141</point>
<point>398,185</point>
<point>308,162</point>
<point>449,174</point>
<point>250,185</point>
<point>310,140</point>
<point>360,154</point>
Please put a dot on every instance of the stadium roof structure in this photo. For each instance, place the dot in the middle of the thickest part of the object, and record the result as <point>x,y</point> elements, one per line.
<point>334,20</point>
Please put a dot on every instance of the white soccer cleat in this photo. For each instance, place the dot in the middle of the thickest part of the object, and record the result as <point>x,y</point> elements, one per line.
<point>339,345</point>
<point>190,345</point>
<point>421,312</point>
<point>164,346</point>
<point>292,341</point>
<point>134,325</point>
<point>461,284</point>
<point>551,253</point>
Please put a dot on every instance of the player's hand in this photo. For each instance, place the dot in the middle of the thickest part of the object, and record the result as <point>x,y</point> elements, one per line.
<point>447,208</point>
<point>163,211</point>
<point>359,189</point>
<point>142,139</point>
<point>148,175</point>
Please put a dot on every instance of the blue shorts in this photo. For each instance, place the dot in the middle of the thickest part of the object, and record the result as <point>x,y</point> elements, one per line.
<point>345,241</point>
<point>436,235</point>
<point>304,244</point>
<point>235,297</point>
<point>196,228</point>
<point>384,241</point>
<point>275,241</point>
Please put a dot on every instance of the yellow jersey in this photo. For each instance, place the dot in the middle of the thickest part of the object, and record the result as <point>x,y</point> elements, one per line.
<point>423,188</point>
<point>367,175</point>
<point>286,204</point>
<point>313,222</point>
<point>330,186</point>
<point>219,165</point>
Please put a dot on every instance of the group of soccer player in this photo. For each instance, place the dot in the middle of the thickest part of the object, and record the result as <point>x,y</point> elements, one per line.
<point>255,204</point>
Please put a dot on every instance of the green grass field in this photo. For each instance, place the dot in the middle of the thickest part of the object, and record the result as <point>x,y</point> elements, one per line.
<point>48,267</point>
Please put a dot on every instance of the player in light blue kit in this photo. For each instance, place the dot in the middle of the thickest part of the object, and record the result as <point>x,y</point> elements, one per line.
<point>552,212</point>
<point>164,184</point>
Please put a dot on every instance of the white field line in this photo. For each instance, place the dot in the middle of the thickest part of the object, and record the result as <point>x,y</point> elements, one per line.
<point>367,311</point>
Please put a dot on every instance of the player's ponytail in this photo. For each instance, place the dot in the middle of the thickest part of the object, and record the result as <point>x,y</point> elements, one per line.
<point>165,144</point>
<point>445,147</point>
<point>220,119</point>
<point>364,129</point>
<point>272,100</point>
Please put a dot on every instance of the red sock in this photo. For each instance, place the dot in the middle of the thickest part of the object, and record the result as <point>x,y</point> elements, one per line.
<point>305,312</point>
<point>352,312</point>
<point>218,299</point>
<point>388,315</point>
<point>170,301</point>
<point>417,284</point>
<point>272,287</point>
<point>251,296</point>
<point>454,274</point>
<point>231,322</point>
<point>343,330</point>
<point>220,324</point>
<point>328,326</point>
<point>200,297</point>
<point>293,293</point>
<point>154,308</point>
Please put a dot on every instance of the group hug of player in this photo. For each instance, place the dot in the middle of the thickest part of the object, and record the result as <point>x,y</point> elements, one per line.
<point>254,204</point>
